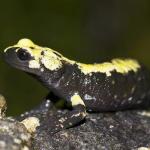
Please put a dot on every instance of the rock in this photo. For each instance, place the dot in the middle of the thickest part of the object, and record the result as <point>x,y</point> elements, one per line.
<point>127,130</point>
<point>3,106</point>
<point>13,135</point>
<point>124,130</point>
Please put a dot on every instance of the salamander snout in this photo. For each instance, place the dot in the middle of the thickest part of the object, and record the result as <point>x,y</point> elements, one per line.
<point>10,54</point>
<point>17,57</point>
<point>16,53</point>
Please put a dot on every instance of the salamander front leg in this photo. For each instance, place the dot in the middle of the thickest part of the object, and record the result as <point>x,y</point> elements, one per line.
<point>71,118</point>
<point>76,115</point>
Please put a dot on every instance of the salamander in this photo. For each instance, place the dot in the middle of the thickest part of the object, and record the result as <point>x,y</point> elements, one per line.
<point>118,84</point>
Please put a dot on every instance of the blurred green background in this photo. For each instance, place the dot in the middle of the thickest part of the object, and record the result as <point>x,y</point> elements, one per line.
<point>84,30</point>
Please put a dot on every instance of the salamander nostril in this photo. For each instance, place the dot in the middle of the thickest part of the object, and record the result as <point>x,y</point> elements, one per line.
<point>23,54</point>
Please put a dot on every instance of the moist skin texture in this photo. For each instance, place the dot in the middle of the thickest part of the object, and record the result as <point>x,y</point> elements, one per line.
<point>114,85</point>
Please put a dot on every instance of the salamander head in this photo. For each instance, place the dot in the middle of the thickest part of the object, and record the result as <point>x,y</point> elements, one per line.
<point>31,58</point>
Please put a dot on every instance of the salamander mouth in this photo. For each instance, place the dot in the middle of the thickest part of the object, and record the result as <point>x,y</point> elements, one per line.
<point>15,65</point>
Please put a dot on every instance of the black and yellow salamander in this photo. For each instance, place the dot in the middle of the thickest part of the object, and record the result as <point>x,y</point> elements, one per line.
<point>115,85</point>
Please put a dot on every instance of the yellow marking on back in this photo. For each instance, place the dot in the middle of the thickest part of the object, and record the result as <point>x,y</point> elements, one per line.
<point>118,65</point>
<point>76,100</point>
<point>53,62</point>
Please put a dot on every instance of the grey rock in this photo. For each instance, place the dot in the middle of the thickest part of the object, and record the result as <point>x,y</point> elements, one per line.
<point>124,130</point>
<point>128,130</point>
<point>13,135</point>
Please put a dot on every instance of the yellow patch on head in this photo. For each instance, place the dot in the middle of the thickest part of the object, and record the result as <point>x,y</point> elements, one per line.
<point>34,64</point>
<point>25,43</point>
<point>50,60</point>
<point>118,65</point>
<point>76,100</point>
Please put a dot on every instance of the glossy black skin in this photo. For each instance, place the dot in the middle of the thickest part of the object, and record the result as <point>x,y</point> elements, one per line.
<point>129,91</point>
<point>110,93</point>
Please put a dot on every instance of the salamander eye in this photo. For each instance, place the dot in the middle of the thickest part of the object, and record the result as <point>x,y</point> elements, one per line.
<point>23,54</point>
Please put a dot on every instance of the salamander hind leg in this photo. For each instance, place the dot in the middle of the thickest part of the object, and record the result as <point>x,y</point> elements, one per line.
<point>71,118</point>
